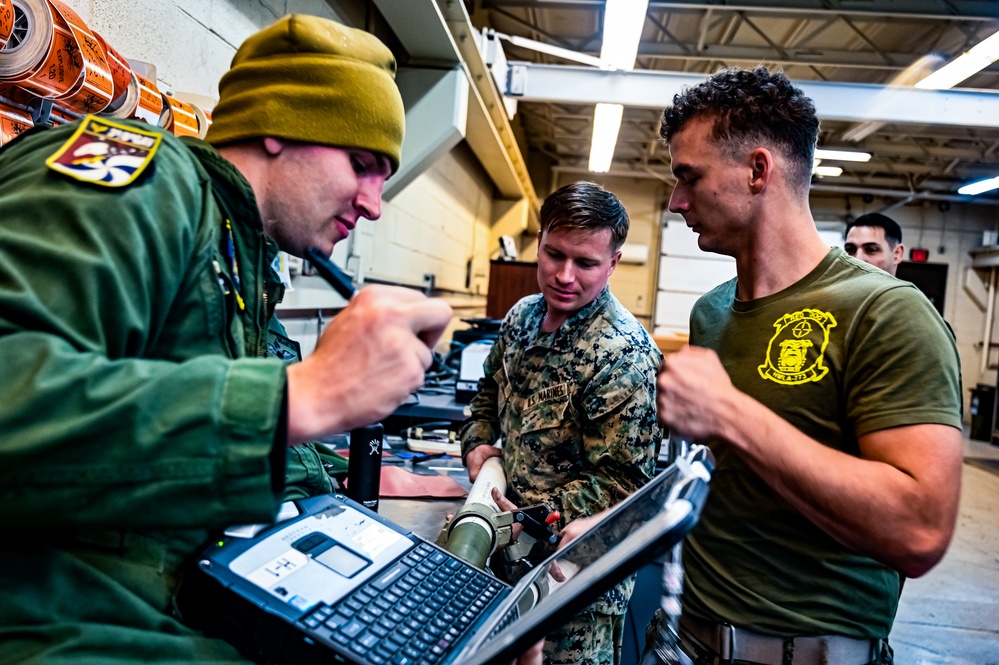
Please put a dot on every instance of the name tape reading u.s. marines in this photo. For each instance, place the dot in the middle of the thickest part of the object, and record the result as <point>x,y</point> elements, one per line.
<point>105,153</point>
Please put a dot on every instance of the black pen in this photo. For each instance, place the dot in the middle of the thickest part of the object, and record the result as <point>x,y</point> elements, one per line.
<point>329,271</point>
<point>428,457</point>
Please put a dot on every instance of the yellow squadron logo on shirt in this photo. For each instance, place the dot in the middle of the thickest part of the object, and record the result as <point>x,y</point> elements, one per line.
<point>105,153</point>
<point>795,352</point>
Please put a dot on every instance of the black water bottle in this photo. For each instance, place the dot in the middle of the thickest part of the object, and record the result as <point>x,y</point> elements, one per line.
<point>364,466</point>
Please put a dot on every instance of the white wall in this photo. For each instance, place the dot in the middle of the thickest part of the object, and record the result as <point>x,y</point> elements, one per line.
<point>685,274</point>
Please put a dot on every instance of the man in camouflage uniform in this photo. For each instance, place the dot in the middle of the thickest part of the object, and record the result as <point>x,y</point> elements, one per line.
<point>570,387</point>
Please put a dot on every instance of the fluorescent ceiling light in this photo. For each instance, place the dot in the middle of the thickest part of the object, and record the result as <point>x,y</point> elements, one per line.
<point>557,51</point>
<point>842,155</point>
<point>623,23</point>
<point>827,171</point>
<point>980,186</point>
<point>606,125</point>
<point>970,62</point>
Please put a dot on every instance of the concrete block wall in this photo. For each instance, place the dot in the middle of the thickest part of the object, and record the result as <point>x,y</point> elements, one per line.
<point>435,226</point>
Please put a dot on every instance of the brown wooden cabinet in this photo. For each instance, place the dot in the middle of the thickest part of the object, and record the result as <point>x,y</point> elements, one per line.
<point>509,281</point>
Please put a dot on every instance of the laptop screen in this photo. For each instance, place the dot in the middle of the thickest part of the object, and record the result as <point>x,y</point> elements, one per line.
<point>637,531</point>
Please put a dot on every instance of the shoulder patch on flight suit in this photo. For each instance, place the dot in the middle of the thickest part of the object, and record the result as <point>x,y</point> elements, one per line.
<point>279,346</point>
<point>105,153</point>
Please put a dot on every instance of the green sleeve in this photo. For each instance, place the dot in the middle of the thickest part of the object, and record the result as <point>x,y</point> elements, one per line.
<point>482,428</point>
<point>904,368</point>
<point>104,423</point>
<point>620,438</point>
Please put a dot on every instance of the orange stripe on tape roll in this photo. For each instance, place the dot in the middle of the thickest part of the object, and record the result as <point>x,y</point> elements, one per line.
<point>6,21</point>
<point>150,106</point>
<point>181,119</point>
<point>93,90</point>
<point>13,122</point>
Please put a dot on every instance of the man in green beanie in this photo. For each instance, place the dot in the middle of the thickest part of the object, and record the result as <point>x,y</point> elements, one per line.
<point>140,410</point>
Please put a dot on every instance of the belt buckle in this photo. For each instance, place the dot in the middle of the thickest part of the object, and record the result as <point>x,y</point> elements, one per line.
<point>726,642</point>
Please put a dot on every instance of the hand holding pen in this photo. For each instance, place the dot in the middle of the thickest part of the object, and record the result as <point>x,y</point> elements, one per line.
<point>369,359</point>
<point>329,271</point>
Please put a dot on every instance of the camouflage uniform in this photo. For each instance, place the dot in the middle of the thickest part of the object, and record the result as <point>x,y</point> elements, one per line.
<point>576,410</point>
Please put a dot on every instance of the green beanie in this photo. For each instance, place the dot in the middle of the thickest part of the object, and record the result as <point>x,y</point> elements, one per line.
<point>312,80</point>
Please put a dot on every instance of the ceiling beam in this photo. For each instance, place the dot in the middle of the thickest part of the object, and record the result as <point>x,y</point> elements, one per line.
<point>849,102</point>
<point>977,10</point>
<point>788,56</point>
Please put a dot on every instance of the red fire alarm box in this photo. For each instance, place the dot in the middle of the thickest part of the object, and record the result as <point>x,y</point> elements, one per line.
<point>919,254</point>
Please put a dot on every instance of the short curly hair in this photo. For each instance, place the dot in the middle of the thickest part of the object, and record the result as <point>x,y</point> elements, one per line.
<point>588,206</point>
<point>751,106</point>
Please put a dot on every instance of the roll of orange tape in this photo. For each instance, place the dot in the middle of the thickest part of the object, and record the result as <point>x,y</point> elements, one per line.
<point>6,21</point>
<point>44,62</point>
<point>13,122</point>
<point>181,118</point>
<point>29,40</point>
<point>94,89</point>
<point>57,57</point>
<point>150,104</point>
<point>121,76</point>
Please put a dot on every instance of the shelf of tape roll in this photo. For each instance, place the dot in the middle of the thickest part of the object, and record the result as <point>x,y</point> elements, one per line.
<point>54,55</point>
<point>48,52</point>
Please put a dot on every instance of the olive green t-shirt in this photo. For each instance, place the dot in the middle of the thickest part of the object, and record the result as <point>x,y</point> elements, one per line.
<point>846,351</point>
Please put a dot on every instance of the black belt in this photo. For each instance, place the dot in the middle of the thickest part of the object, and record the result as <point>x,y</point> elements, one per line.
<point>731,643</point>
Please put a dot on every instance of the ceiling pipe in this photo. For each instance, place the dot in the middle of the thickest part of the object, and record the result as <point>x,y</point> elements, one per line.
<point>902,194</point>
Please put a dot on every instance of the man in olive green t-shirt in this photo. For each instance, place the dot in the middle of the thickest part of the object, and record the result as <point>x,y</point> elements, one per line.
<point>839,456</point>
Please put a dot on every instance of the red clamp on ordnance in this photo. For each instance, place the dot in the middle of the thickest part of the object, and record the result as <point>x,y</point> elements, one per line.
<point>537,522</point>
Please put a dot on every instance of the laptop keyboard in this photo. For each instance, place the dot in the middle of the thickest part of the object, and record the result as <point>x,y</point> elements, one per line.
<point>410,614</point>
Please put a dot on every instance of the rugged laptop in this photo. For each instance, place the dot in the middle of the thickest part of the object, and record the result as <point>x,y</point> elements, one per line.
<point>337,583</point>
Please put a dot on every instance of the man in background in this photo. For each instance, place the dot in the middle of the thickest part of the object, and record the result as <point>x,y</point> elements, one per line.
<point>569,387</point>
<point>876,239</point>
<point>137,297</point>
